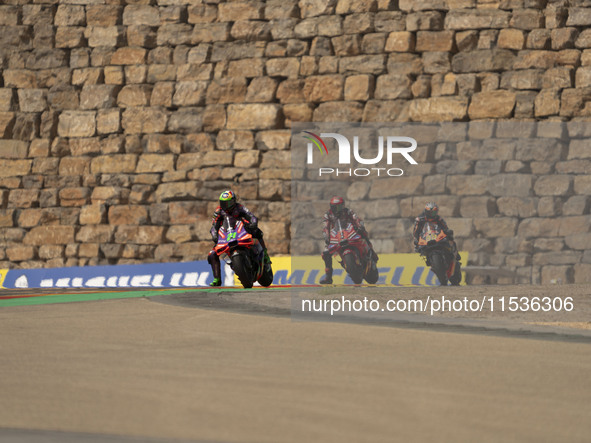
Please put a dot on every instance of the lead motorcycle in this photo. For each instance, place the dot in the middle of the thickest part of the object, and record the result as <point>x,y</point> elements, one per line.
<point>435,248</point>
<point>239,249</point>
<point>356,256</point>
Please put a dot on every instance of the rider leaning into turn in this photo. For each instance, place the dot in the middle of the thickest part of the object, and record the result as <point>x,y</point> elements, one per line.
<point>339,211</point>
<point>431,214</point>
<point>229,206</point>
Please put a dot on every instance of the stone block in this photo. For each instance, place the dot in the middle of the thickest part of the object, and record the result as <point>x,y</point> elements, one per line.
<point>427,41</point>
<point>248,68</point>
<point>522,79</point>
<point>77,124</point>
<point>69,37</point>
<point>425,21</point>
<point>98,96</point>
<point>462,19</point>
<point>527,19</point>
<point>471,207</point>
<point>104,36</point>
<point>438,109</point>
<point>218,32</point>
<point>393,86</point>
<point>346,45</point>
<point>564,38</point>
<point>49,235</point>
<point>511,39</point>
<point>582,185</point>
<point>261,89</point>
<point>359,87</point>
<point>339,112</point>
<point>9,15</point>
<point>538,39</point>
<point>176,191</point>
<point>579,17</point>
<point>493,104</point>
<point>483,60</point>
<point>108,121</point>
<point>113,164</point>
<point>141,15</point>
<point>553,185</point>
<point>503,185</point>
<point>32,100</point>
<point>103,15</point>
<point>226,90</point>
<point>129,55</point>
<point>323,88</point>
<point>283,67</point>
<point>128,215</point>
<point>149,163</point>
<point>400,41</point>
<point>547,102</point>
<point>144,120</point>
<point>363,64</point>
<point>202,13</point>
<point>253,116</point>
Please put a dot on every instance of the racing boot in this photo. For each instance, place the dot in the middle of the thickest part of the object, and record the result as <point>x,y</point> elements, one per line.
<point>327,279</point>
<point>216,268</point>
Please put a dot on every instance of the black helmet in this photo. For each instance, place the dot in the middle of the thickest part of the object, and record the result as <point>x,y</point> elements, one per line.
<point>337,204</point>
<point>431,210</point>
<point>227,200</point>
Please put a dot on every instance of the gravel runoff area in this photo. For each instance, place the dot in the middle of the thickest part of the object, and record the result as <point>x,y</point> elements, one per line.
<point>242,366</point>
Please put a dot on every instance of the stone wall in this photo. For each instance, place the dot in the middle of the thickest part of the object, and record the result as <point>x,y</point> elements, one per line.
<point>122,121</point>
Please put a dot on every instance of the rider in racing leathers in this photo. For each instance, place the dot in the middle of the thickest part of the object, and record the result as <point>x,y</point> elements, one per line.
<point>229,206</point>
<point>431,214</point>
<point>339,211</point>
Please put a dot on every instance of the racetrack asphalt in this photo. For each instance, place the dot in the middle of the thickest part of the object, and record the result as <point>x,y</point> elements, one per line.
<point>238,366</point>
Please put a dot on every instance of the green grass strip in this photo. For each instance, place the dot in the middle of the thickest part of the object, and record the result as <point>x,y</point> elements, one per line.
<point>76,297</point>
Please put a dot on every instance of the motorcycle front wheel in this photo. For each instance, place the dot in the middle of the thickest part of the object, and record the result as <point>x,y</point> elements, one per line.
<point>353,269</point>
<point>267,277</point>
<point>241,267</point>
<point>456,278</point>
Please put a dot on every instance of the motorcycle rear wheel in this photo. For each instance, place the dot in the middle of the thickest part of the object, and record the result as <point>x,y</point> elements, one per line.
<point>438,268</point>
<point>353,269</point>
<point>241,266</point>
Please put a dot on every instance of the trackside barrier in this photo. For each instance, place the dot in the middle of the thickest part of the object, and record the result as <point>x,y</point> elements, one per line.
<point>153,275</point>
<point>394,269</point>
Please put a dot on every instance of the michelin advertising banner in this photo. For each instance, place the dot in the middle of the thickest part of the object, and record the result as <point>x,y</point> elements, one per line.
<point>394,270</point>
<point>155,275</point>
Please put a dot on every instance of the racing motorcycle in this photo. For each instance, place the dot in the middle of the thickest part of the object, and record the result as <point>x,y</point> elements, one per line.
<point>237,247</point>
<point>436,250</point>
<point>356,256</point>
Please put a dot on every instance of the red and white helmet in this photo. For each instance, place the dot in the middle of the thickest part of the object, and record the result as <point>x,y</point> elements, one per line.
<point>337,204</point>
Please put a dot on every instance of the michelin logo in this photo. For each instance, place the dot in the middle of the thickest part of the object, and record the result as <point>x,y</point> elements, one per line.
<point>127,281</point>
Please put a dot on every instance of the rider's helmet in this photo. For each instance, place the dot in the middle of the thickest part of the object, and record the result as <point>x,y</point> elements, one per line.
<point>431,210</point>
<point>337,204</point>
<point>227,200</point>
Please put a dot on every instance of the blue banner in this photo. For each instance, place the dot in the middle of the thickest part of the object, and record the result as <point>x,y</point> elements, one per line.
<point>154,275</point>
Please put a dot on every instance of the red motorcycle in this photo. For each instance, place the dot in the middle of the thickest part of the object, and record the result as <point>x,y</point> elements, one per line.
<point>237,247</point>
<point>356,256</point>
<point>436,249</point>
